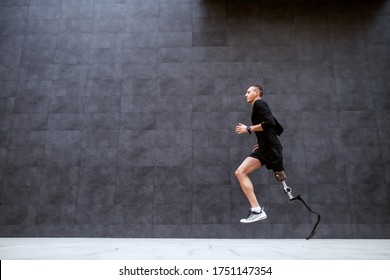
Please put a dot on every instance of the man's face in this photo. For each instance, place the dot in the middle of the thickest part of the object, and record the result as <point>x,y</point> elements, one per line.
<point>251,94</point>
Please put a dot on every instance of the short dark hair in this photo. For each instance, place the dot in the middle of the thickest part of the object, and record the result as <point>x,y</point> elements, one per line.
<point>260,88</point>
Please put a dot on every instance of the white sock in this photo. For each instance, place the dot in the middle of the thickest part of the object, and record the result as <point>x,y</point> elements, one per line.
<point>256,209</point>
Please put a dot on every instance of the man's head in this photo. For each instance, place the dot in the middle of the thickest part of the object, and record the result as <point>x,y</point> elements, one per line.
<point>253,93</point>
<point>260,89</point>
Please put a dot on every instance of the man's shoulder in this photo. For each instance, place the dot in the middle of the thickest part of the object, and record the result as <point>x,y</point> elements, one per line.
<point>260,100</point>
<point>260,103</point>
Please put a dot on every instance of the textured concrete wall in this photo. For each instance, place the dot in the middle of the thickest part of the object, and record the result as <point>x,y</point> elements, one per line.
<point>117,116</point>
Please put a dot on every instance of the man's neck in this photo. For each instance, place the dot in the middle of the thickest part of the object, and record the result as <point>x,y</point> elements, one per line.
<point>258,98</point>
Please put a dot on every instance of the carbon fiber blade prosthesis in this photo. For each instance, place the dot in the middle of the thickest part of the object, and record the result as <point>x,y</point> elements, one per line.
<point>288,191</point>
<point>313,231</point>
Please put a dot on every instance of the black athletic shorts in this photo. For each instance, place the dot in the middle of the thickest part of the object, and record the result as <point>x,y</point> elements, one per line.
<point>272,158</point>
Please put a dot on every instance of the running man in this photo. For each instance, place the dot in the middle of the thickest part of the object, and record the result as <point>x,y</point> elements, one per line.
<point>268,150</point>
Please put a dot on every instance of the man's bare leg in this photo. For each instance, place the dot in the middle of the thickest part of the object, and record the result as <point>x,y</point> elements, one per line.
<point>249,165</point>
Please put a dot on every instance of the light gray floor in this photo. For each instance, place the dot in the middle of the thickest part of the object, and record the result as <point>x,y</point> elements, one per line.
<point>184,249</point>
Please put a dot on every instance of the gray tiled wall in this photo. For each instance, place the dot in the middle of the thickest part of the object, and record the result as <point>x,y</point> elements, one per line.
<point>117,116</point>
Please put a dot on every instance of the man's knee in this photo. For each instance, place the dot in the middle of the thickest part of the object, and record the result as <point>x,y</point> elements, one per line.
<point>240,173</point>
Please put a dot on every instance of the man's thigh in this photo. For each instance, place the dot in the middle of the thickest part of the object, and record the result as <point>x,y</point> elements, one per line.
<point>249,165</point>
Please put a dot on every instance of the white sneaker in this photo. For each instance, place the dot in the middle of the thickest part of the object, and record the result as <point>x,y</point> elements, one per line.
<point>254,217</point>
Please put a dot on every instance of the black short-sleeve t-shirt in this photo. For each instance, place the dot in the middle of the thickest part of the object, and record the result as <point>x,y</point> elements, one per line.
<point>270,149</point>
<point>261,114</point>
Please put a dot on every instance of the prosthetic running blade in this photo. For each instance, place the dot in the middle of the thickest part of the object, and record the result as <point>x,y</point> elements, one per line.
<point>313,231</point>
<point>288,191</point>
